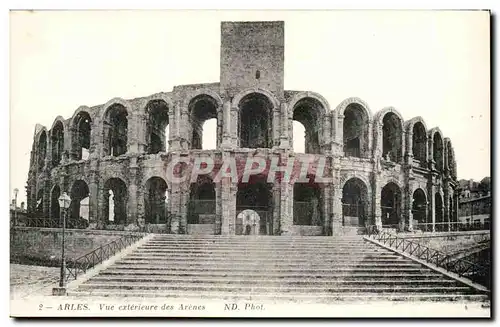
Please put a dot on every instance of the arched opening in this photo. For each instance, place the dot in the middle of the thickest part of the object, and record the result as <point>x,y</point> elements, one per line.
<point>308,112</point>
<point>157,139</point>
<point>419,209</point>
<point>437,151</point>
<point>115,130</point>
<point>438,209</point>
<point>419,144</point>
<point>209,130</point>
<point>307,204</point>
<point>299,137</point>
<point>250,222</point>
<point>451,162</point>
<point>392,138</point>
<point>356,132</point>
<point>256,195</point>
<point>202,108</point>
<point>81,136</point>
<point>354,203</point>
<point>115,201</point>
<point>39,203</point>
<point>155,201</point>
<point>201,208</point>
<point>79,207</point>
<point>42,150</point>
<point>255,127</point>
<point>54,203</point>
<point>57,140</point>
<point>391,204</point>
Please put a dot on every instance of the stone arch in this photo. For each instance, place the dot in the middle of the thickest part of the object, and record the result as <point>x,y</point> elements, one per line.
<point>79,207</point>
<point>390,203</point>
<point>115,197</point>
<point>308,204</point>
<point>310,109</point>
<point>256,195</point>
<point>416,131</point>
<point>256,118</point>
<point>55,192</point>
<point>115,101</point>
<point>157,113</point>
<point>355,202</point>
<point>207,92</point>
<point>437,148</point>
<point>450,162</point>
<point>439,212</point>
<point>202,201</point>
<point>201,107</point>
<point>41,149</point>
<point>57,141</point>
<point>115,123</point>
<point>325,106</point>
<point>250,222</point>
<point>353,174</point>
<point>81,134</point>
<point>419,205</point>
<point>339,111</point>
<point>238,97</point>
<point>356,120</point>
<point>155,201</point>
<point>389,132</point>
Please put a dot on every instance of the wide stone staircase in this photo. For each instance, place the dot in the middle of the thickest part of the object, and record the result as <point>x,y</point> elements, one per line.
<point>313,269</point>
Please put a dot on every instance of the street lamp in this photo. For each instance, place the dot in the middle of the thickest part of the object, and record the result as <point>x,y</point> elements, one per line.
<point>64,202</point>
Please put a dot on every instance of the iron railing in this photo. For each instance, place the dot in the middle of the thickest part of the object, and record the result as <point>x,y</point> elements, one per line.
<point>435,227</point>
<point>462,267</point>
<point>83,263</point>
<point>47,222</point>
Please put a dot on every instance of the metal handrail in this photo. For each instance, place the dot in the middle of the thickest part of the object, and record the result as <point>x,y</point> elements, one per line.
<point>83,263</point>
<point>459,266</point>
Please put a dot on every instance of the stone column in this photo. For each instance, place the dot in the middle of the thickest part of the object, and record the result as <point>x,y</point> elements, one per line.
<point>285,134</point>
<point>276,130</point>
<point>446,206</point>
<point>184,203</point>
<point>409,146</point>
<point>103,207</point>
<point>226,125</point>
<point>340,134</point>
<point>228,206</point>
<point>431,207</point>
<point>430,147</point>
<point>218,209</point>
<point>369,149</point>
<point>132,193</point>
<point>234,126</point>
<point>377,197</point>
<point>283,193</point>
<point>336,199</point>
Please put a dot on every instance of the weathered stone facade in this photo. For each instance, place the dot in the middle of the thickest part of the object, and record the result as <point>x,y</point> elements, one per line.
<point>378,169</point>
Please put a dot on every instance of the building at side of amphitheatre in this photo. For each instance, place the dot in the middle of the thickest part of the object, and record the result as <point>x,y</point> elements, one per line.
<point>112,159</point>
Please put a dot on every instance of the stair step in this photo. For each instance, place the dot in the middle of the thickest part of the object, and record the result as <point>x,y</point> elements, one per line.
<point>263,264</point>
<point>272,281</point>
<point>274,289</point>
<point>257,259</point>
<point>326,297</point>
<point>348,275</point>
<point>287,268</point>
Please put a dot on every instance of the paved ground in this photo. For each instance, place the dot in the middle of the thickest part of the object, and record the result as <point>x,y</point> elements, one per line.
<point>32,280</point>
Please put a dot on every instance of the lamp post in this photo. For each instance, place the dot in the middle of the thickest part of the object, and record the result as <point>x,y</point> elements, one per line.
<point>64,202</point>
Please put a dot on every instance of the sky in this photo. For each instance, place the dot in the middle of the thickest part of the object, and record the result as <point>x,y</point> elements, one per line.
<point>434,64</point>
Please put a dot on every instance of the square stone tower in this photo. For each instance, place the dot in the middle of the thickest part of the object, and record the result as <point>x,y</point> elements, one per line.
<point>252,55</point>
